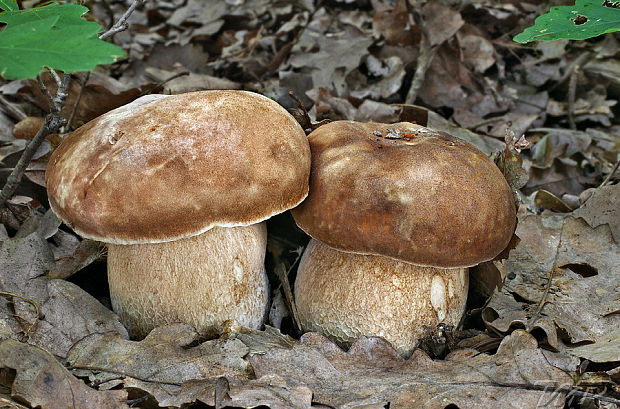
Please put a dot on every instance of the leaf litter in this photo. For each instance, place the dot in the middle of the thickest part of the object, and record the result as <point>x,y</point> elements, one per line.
<point>556,310</point>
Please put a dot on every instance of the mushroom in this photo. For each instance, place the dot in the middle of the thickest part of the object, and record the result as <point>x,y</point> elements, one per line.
<point>397,214</point>
<point>178,187</point>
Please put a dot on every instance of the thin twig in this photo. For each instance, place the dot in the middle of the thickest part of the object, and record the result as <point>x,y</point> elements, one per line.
<point>55,76</point>
<point>288,293</point>
<point>487,122</point>
<point>78,99</point>
<point>572,89</point>
<point>611,174</point>
<point>427,53</point>
<point>579,61</point>
<point>12,110</point>
<point>554,269</point>
<point>162,83</point>
<point>121,24</point>
<point>52,122</point>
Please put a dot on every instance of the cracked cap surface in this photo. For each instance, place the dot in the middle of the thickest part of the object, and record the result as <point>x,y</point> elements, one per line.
<point>166,167</point>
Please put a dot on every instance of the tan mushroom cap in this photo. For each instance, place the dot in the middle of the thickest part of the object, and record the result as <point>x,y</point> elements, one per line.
<point>167,167</point>
<point>405,192</point>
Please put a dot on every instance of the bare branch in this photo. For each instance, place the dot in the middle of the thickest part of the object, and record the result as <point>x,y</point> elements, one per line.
<point>78,99</point>
<point>12,110</point>
<point>44,90</point>
<point>56,76</point>
<point>121,24</point>
<point>53,122</point>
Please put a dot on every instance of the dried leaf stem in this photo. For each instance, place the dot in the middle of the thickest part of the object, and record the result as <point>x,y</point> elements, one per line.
<point>282,274</point>
<point>572,89</point>
<point>554,268</point>
<point>29,301</point>
<point>77,100</point>
<point>12,110</point>
<point>427,53</point>
<point>611,174</point>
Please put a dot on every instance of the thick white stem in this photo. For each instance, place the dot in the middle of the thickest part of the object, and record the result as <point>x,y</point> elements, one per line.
<point>345,295</point>
<point>202,280</point>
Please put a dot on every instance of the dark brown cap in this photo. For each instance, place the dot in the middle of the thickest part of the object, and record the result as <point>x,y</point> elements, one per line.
<point>405,192</point>
<point>166,167</point>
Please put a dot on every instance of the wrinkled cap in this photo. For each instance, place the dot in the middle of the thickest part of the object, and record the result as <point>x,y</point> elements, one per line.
<point>166,167</point>
<point>405,192</point>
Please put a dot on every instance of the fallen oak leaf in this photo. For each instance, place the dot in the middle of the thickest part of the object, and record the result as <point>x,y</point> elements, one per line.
<point>270,390</point>
<point>372,373</point>
<point>164,356</point>
<point>564,274</point>
<point>64,314</point>
<point>41,381</point>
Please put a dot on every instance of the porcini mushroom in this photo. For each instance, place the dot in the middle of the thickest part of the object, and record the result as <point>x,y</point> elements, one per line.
<point>178,187</point>
<point>397,214</point>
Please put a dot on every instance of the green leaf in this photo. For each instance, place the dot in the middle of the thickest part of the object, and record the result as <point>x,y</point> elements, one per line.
<point>54,36</point>
<point>586,19</point>
<point>9,5</point>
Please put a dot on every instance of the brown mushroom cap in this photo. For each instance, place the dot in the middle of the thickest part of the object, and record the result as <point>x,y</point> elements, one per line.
<point>167,167</point>
<point>405,192</point>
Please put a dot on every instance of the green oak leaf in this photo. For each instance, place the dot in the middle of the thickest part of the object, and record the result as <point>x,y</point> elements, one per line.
<point>9,5</point>
<point>586,19</point>
<point>54,36</point>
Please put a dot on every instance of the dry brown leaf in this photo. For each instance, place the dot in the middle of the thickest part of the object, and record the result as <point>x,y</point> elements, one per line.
<point>561,278</point>
<point>164,356</point>
<point>477,50</point>
<point>75,258</point>
<point>329,59</point>
<point>602,208</point>
<point>486,144</point>
<point>443,21</point>
<point>270,390</point>
<point>373,374</point>
<point>41,381</point>
<point>606,349</point>
<point>66,312</point>
<point>448,82</point>
<point>563,176</point>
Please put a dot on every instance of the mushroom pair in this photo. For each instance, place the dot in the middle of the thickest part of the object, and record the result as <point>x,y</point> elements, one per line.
<point>397,214</point>
<point>178,187</point>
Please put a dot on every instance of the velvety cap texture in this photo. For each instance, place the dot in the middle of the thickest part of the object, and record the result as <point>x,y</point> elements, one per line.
<point>405,192</point>
<point>167,167</point>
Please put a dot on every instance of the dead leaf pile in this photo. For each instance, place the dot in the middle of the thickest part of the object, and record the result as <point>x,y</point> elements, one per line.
<point>546,112</point>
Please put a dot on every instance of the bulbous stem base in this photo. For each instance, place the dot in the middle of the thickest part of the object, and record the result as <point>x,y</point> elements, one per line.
<point>202,280</point>
<point>345,295</point>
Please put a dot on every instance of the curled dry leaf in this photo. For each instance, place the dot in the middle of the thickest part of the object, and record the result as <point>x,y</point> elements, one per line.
<point>41,381</point>
<point>269,390</point>
<point>562,278</point>
<point>164,356</point>
<point>372,373</point>
<point>605,349</point>
<point>174,373</point>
